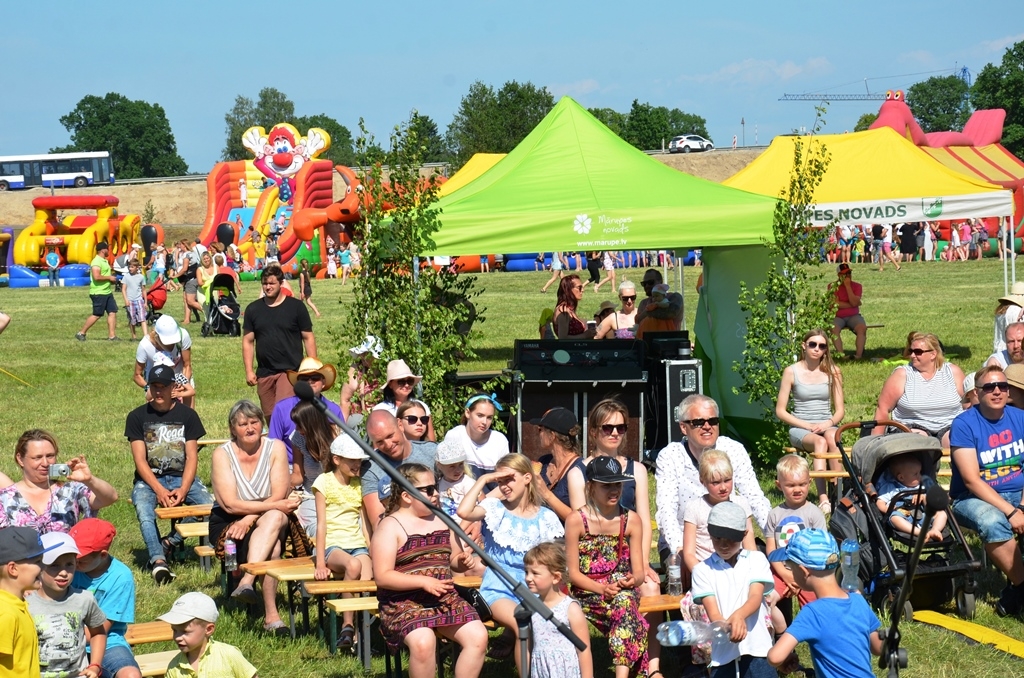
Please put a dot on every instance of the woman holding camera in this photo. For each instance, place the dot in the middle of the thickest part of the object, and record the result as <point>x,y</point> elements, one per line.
<point>51,497</point>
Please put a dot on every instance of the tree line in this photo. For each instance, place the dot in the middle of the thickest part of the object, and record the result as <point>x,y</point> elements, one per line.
<point>490,120</point>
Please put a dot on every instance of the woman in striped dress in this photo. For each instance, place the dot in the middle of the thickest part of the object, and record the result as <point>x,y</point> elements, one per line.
<point>252,486</point>
<point>926,394</point>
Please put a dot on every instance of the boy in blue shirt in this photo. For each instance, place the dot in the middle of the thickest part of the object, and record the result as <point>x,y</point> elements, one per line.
<point>111,583</point>
<point>840,628</point>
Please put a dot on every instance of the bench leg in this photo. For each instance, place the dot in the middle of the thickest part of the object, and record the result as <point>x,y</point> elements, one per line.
<point>204,561</point>
<point>291,608</point>
<point>332,632</point>
<point>364,639</point>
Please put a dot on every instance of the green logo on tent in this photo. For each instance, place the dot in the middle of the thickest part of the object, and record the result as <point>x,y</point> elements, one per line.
<point>932,207</point>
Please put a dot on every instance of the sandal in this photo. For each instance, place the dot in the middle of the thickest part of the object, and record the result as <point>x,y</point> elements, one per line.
<point>347,637</point>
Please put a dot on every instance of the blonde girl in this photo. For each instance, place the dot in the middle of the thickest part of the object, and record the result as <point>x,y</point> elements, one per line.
<point>413,565</point>
<point>553,655</point>
<point>816,387</point>
<point>341,535</point>
<point>513,522</point>
<point>483,445</point>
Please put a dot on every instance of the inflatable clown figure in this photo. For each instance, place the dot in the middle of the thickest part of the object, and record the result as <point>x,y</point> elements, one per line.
<point>282,152</point>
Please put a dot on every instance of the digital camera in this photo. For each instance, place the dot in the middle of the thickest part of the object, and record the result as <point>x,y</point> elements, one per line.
<point>59,472</point>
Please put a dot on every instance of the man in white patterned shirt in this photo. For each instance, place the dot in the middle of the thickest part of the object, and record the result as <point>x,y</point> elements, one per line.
<point>679,479</point>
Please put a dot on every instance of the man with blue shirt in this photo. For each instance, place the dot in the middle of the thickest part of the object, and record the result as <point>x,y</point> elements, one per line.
<point>987,452</point>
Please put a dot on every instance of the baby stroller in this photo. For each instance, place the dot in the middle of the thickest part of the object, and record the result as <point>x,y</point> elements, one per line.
<point>156,297</point>
<point>885,551</point>
<point>222,309</point>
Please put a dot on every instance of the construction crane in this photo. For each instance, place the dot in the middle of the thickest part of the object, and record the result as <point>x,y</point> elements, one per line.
<point>832,97</point>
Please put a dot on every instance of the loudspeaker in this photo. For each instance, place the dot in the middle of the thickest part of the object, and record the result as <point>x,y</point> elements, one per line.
<point>676,379</point>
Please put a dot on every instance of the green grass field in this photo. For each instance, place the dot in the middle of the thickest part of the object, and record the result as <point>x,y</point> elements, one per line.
<point>82,392</point>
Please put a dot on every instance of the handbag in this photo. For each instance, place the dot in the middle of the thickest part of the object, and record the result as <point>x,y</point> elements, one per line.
<point>476,600</point>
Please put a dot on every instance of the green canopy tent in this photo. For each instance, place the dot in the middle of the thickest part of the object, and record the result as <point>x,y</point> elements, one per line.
<point>573,184</point>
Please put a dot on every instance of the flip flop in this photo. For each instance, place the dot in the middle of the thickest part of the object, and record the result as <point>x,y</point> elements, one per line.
<point>278,628</point>
<point>247,595</point>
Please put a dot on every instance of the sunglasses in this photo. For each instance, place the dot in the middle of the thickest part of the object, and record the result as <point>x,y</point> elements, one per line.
<point>310,377</point>
<point>631,297</point>
<point>609,429</point>
<point>427,490</point>
<point>814,344</point>
<point>411,419</point>
<point>921,351</point>
<point>577,287</point>
<point>991,386</point>
<point>699,423</point>
<point>408,381</point>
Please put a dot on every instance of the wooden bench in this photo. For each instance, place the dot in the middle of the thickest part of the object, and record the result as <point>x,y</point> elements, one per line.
<point>366,606</point>
<point>216,442</point>
<point>148,632</point>
<point>201,531</point>
<point>155,663</point>
<point>183,511</point>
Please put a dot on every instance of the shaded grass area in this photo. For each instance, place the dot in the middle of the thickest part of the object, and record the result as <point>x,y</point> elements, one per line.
<point>82,392</point>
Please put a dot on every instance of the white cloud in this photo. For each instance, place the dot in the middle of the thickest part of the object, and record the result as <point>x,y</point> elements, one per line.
<point>575,89</point>
<point>762,71</point>
<point>1000,44</point>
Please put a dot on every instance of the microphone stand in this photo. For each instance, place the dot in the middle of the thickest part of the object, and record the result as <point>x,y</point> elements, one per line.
<point>894,657</point>
<point>529,603</point>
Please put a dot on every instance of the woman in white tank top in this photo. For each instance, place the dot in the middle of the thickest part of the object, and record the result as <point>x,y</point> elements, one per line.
<point>926,394</point>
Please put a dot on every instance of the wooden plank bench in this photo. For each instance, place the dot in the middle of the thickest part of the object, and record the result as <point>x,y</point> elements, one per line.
<point>155,663</point>
<point>148,632</point>
<point>201,531</point>
<point>183,511</point>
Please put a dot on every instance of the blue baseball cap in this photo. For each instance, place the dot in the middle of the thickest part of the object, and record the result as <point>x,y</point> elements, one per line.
<point>814,549</point>
<point>21,543</point>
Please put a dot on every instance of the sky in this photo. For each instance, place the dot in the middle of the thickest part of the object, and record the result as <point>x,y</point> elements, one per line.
<point>724,61</point>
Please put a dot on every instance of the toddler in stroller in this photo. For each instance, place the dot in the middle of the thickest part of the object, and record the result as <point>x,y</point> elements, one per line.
<point>901,490</point>
<point>946,567</point>
<point>222,308</point>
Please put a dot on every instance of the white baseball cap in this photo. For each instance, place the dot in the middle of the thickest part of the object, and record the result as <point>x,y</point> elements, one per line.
<point>346,448</point>
<point>191,606</point>
<point>56,545</point>
<point>167,330</point>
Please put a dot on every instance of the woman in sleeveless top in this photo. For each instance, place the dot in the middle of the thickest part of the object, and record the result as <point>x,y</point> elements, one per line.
<point>926,394</point>
<point>619,325</point>
<point>567,324</point>
<point>609,420</point>
<point>251,485</point>
<point>816,387</point>
<point>413,564</point>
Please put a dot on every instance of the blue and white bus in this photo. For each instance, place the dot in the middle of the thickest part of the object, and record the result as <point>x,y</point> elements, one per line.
<point>56,170</point>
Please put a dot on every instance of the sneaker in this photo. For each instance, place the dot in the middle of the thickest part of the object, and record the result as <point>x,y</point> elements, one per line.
<point>162,574</point>
<point>79,336</point>
<point>113,338</point>
<point>1010,602</point>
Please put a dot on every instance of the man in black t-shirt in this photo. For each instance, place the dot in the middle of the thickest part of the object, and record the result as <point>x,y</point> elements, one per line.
<point>164,437</point>
<point>275,330</point>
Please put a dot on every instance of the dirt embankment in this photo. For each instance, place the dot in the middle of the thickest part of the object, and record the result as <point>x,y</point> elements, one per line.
<point>182,204</point>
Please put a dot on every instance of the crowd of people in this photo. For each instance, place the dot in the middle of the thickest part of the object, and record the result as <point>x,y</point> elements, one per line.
<point>577,531</point>
<point>912,241</point>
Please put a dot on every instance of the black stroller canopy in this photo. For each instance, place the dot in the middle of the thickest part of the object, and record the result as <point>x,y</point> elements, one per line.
<point>873,453</point>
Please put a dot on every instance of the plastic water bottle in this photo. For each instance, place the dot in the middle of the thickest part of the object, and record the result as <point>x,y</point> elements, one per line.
<point>850,558</point>
<point>230,556</point>
<point>675,633</point>
<point>674,570</point>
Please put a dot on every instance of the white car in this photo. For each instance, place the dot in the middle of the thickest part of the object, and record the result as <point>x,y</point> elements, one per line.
<point>689,142</point>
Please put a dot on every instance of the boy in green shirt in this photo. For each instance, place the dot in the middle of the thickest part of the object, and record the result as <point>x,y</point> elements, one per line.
<point>193,618</point>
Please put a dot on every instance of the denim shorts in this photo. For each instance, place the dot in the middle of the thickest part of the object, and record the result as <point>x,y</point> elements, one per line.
<point>116,658</point>
<point>989,522</point>
<point>360,551</point>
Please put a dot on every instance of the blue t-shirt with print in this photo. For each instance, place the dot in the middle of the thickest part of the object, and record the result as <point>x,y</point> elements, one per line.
<point>114,591</point>
<point>999,445</point>
<point>837,631</point>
